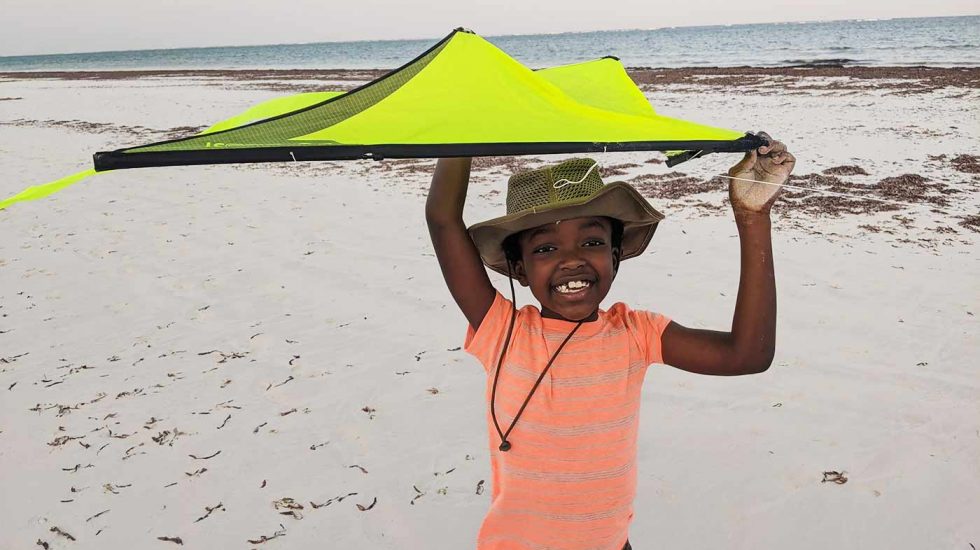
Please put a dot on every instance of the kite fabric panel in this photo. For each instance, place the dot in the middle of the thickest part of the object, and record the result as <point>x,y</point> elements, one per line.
<point>462,97</point>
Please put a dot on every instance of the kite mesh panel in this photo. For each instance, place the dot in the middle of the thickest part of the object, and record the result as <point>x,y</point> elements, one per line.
<point>277,132</point>
<point>572,179</point>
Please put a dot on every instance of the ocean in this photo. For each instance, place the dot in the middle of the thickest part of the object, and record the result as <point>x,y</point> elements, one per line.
<point>934,41</point>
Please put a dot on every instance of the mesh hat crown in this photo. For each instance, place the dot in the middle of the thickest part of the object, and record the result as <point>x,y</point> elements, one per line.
<point>570,189</point>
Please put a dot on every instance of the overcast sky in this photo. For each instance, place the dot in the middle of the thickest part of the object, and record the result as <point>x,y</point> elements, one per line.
<point>61,26</point>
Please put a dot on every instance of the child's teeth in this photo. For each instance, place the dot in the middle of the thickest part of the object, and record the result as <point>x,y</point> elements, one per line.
<point>572,286</point>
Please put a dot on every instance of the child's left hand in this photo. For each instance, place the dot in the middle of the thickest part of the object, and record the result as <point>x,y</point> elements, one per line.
<point>771,164</point>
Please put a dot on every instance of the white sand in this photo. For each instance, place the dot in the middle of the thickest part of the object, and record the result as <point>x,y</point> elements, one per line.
<point>113,292</point>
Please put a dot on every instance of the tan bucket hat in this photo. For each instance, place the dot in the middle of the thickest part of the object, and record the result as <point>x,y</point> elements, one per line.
<point>571,189</point>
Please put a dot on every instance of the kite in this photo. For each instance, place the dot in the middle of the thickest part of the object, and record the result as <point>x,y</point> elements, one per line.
<point>461,97</point>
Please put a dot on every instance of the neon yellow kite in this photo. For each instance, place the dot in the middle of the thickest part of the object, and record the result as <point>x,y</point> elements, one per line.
<point>462,97</point>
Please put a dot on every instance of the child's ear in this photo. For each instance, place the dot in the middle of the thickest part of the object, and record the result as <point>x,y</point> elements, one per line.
<point>519,273</point>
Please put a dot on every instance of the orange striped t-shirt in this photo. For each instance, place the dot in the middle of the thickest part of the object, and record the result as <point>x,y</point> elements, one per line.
<point>569,479</point>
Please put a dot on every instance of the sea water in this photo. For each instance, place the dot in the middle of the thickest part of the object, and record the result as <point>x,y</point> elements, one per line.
<point>933,41</point>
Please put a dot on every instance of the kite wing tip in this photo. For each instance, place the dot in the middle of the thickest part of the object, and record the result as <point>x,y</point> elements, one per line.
<point>99,161</point>
<point>751,141</point>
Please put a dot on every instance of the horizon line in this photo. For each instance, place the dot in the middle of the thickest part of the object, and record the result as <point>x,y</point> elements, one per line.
<point>489,36</point>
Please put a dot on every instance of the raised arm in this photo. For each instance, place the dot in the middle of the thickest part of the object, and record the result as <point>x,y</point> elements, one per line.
<point>460,262</point>
<point>751,344</point>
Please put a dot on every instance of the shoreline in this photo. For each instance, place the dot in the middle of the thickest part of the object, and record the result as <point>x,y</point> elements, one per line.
<point>959,75</point>
<point>754,80</point>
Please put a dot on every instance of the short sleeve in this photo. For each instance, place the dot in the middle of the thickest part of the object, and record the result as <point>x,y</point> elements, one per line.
<point>486,342</point>
<point>648,328</point>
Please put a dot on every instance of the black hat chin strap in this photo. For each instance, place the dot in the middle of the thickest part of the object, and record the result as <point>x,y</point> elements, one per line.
<point>504,444</point>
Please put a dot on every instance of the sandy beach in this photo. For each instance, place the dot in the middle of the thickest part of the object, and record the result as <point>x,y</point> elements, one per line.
<point>266,356</point>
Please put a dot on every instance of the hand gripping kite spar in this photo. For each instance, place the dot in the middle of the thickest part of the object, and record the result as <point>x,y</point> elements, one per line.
<point>462,97</point>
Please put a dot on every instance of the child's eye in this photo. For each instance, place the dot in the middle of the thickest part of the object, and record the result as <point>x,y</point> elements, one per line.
<point>593,242</point>
<point>543,249</point>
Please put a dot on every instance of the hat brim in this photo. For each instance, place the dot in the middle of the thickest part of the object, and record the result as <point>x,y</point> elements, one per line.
<point>617,200</point>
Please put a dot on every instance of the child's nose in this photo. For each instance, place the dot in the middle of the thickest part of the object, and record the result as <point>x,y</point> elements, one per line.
<point>571,260</point>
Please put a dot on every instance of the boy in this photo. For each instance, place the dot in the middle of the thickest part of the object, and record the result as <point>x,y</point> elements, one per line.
<point>563,384</point>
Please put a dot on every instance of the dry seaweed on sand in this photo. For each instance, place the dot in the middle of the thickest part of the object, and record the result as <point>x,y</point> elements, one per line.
<point>90,518</point>
<point>216,453</point>
<point>971,222</point>
<point>127,454</point>
<point>906,186</point>
<point>111,488</point>
<point>59,531</point>
<point>227,418</point>
<point>331,501</point>
<point>410,166</point>
<point>369,506</point>
<point>839,478</point>
<point>511,164</point>
<point>833,205</point>
<point>167,437</point>
<point>674,185</point>
<point>175,540</point>
<point>208,510</point>
<point>225,356</point>
<point>968,164</point>
<point>61,440</point>
<point>419,494</point>
<point>845,170</point>
<point>12,358</point>
<point>287,503</point>
<point>270,386</point>
<point>266,538</point>
<point>862,199</point>
<point>767,80</point>
<point>617,169</point>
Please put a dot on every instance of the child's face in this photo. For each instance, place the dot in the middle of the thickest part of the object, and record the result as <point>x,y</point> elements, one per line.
<point>569,266</point>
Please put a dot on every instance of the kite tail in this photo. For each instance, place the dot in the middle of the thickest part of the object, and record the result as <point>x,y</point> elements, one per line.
<point>40,191</point>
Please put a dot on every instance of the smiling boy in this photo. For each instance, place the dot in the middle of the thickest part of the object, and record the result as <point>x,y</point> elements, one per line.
<point>564,380</point>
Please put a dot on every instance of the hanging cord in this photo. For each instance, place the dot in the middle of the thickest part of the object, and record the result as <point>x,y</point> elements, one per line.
<point>504,444</point>
<point>564,181</point>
